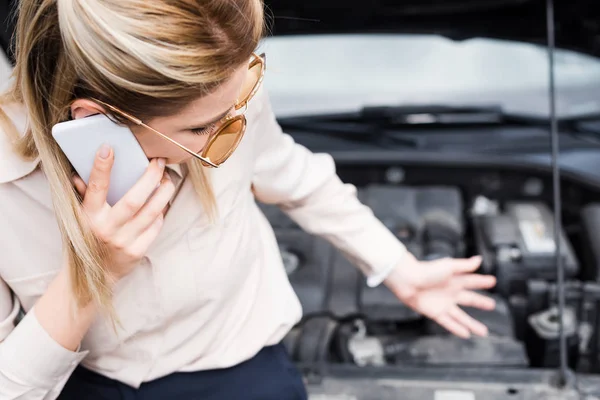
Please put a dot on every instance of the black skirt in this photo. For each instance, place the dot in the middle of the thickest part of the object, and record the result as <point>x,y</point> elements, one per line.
<point>270,375</point>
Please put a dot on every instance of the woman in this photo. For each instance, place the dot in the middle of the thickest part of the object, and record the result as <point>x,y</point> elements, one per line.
<point>180,293</point>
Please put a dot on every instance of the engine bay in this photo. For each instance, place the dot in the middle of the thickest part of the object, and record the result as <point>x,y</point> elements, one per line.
<point>504,216</point>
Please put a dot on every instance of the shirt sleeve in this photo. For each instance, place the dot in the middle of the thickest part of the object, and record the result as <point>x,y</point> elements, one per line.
<point>32,365</point>
<point>306,186</point>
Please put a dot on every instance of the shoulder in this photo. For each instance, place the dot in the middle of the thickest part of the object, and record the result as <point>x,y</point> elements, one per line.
<point>12,165</point>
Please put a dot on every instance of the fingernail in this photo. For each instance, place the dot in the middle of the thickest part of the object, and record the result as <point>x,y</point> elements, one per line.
<point>476,258</point>
<point>104,151</point>
<point>161,162</point>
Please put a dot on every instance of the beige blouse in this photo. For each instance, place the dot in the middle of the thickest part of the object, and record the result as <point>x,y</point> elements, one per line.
<point>205,296</point>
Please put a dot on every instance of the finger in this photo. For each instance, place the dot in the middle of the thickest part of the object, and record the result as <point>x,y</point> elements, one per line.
<point>464,265</point>
<point>440,270</point>
<point>468,322</point>
<point>80,185</point>
<point>97,188</point>
<point>142,242</point>
<point>474,281</point>
<point>152,209</point>
<point>137,196</point>
<point>433,273</point>
<point>453,326</point>
<point>166,209</point>
<point>472,299</point>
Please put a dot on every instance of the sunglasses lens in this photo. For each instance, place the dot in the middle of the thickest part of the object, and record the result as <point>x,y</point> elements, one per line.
<point>254,74</point>
<point>225,142</point>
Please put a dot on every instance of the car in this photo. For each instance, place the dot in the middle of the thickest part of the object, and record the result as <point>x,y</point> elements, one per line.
<point>439,113</point>
<point>5,35</point>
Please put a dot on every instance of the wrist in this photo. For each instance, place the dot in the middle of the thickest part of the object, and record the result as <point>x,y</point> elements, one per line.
<point>380,276</point>
<point>398,280</point>
<point>66,280</point>
<point>59,315</point>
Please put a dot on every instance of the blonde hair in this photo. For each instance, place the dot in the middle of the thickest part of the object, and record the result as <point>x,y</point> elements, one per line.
<point>148,58</point>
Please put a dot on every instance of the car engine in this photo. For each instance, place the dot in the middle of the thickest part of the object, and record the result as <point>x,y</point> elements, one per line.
<point>347,322</point>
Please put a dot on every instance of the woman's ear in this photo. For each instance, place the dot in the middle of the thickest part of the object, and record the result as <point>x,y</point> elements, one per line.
<point>82,108</point>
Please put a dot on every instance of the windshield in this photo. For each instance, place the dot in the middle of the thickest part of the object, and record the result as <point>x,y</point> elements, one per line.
<point>332,73</point>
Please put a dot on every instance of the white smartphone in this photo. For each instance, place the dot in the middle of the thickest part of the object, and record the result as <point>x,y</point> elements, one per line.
<point>80,140</point>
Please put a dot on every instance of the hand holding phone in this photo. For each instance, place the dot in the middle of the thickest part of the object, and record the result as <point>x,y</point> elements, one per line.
<point>130,226</point>
<point>80,139</point>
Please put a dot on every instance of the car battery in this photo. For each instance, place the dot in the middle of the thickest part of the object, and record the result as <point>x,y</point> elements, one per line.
<point>517,244</point>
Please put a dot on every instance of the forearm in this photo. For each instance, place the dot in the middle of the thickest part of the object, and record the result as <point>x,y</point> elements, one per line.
<point>57,313</point>
<point>334,212</point>
<point>306,186</point>
<point>38,356</point>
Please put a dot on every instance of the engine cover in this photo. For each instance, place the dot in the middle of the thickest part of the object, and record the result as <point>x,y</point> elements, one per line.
<point>428,221</point>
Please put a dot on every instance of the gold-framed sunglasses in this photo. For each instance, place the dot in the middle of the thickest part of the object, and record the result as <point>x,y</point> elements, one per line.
<point>223,141</point>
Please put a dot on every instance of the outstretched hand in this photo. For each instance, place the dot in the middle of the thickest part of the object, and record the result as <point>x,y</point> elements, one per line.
<point>437,288</point>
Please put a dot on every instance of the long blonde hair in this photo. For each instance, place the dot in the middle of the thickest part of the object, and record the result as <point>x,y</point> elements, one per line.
<point>146,57</point>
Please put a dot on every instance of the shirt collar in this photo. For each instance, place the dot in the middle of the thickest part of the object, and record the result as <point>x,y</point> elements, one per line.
<point>13,167</point>
<point>177,169</point>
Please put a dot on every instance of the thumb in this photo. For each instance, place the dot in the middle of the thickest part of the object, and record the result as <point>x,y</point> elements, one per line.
<point>439,271</point>
<point>465,265</point>
<point>432,273</point>
<point>420,274</point>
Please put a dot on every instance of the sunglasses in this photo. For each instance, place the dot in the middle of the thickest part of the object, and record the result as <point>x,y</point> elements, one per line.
<point>228,134</point>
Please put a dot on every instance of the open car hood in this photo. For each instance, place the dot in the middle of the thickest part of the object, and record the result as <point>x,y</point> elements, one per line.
<point>577,22</point>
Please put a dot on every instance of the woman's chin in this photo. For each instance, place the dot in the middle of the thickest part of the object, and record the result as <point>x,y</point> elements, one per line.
<point>171,160</point>
<point>178,160</point>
